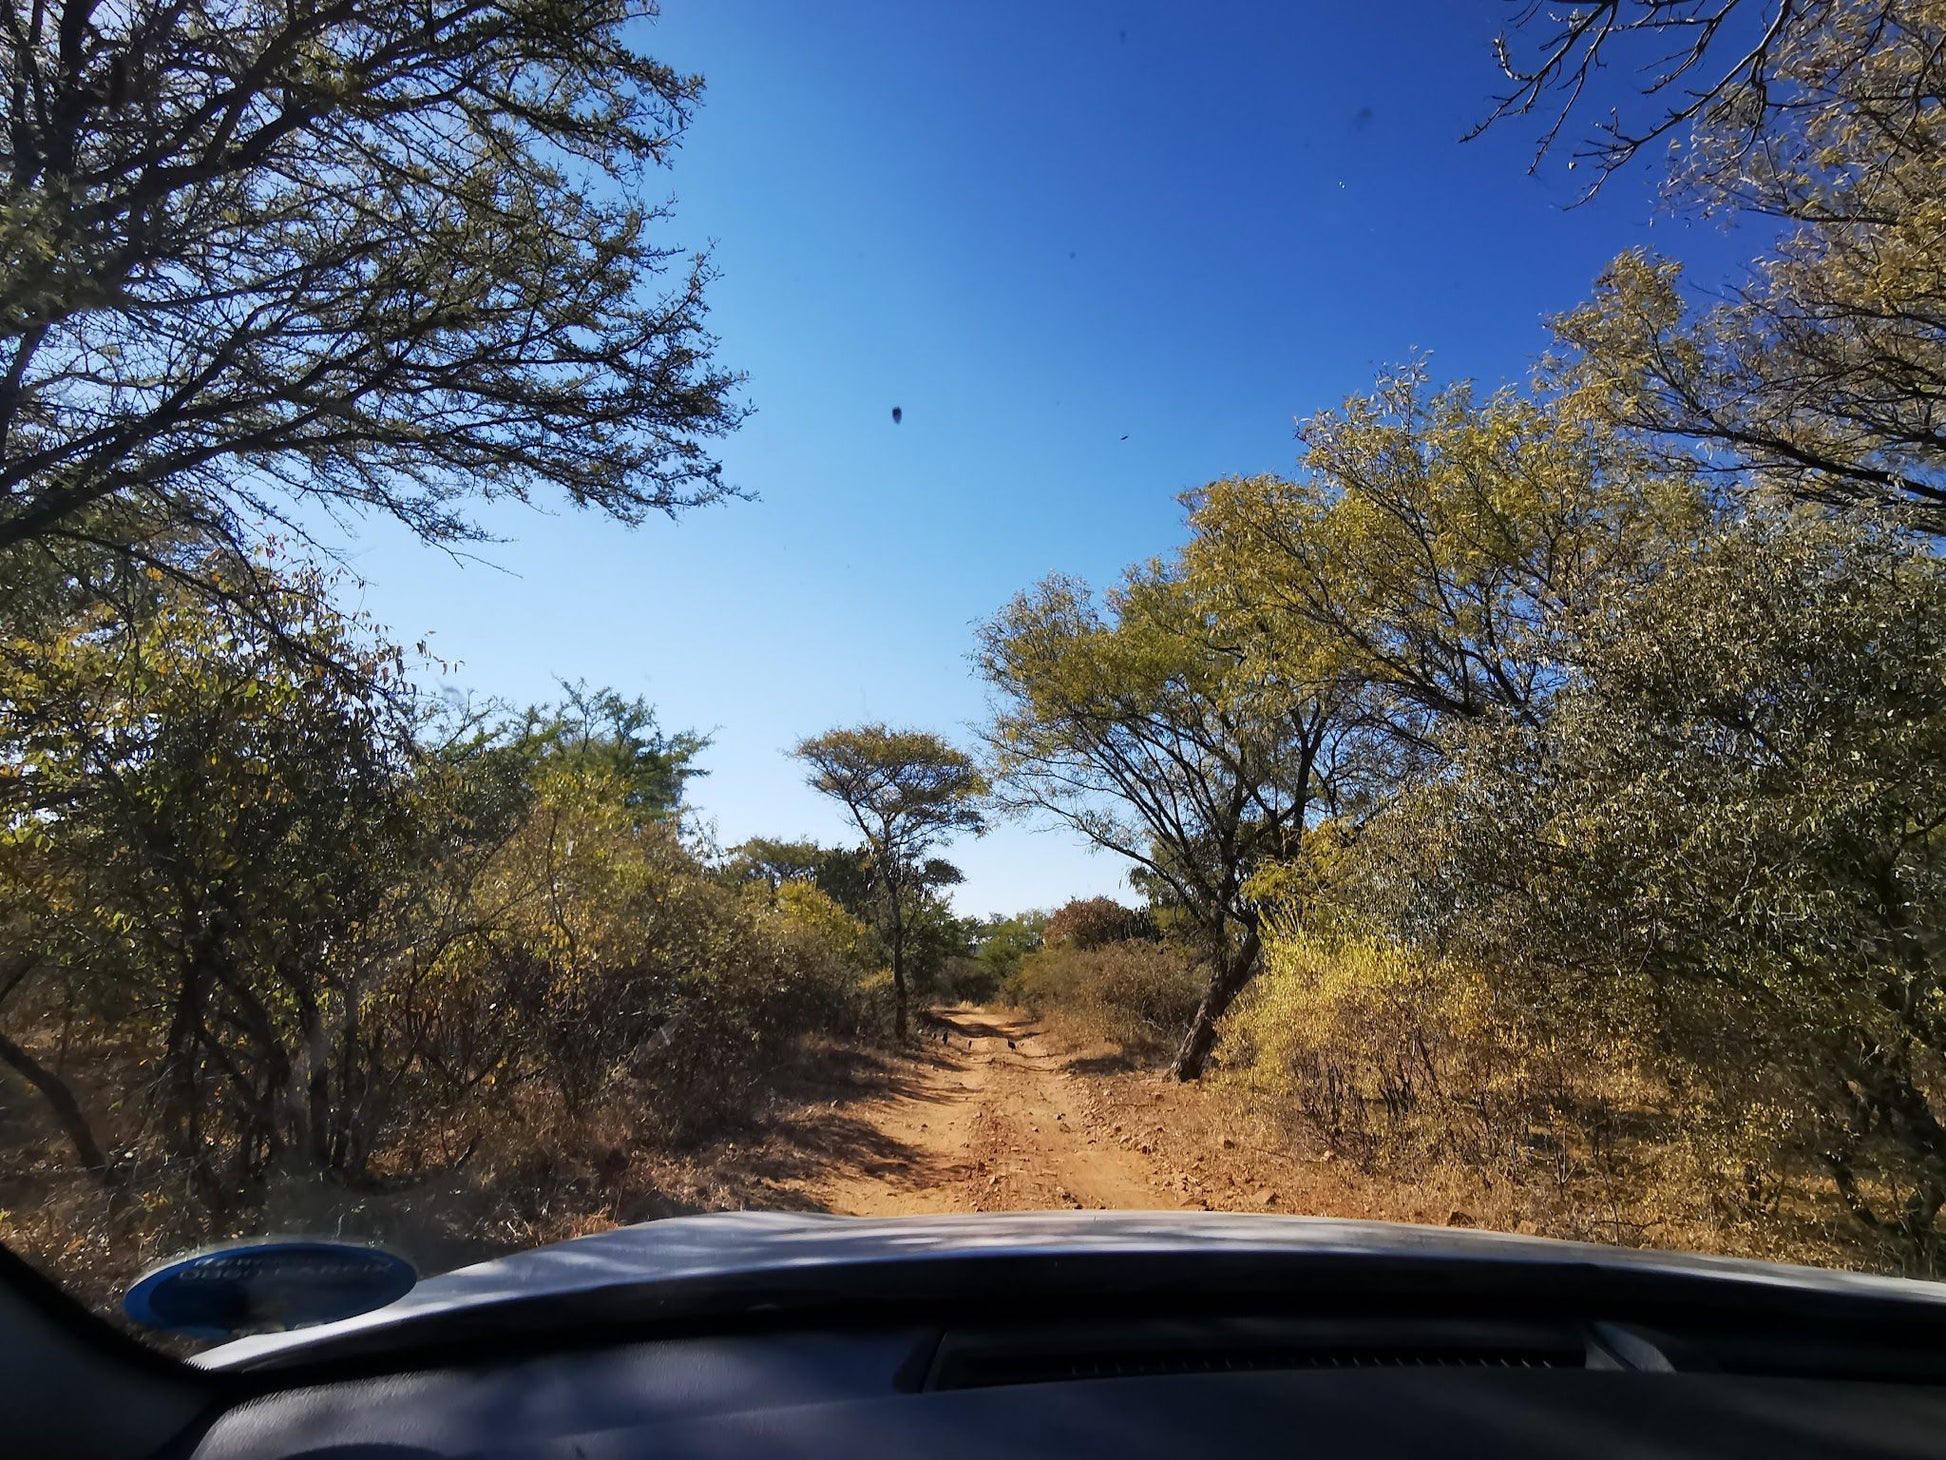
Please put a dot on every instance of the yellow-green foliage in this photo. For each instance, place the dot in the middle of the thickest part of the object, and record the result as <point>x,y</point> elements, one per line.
<point>838,958</point>
<point>1138,994</point>
<point>639,976</point>
<point>1379,1049</point>
<point>1423,1068</point>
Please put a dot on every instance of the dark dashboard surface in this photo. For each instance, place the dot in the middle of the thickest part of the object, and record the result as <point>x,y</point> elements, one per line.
<point>1065,1335</point>
<point>1151,1389</point>
<point>1122,1335</point>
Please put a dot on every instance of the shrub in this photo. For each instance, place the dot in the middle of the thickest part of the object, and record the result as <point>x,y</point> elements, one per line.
<point>271,933</point>
<point>1139,995</point>
<point>1430,1070</point>
<point>964,981</point>
<point>838,964</point>
<point>1095,922</point>
<point>1003,942</point>
<point>1381,1051</point>
<point>1720,845</point>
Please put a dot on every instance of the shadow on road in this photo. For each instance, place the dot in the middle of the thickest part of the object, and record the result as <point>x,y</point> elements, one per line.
<point>823,1127</point>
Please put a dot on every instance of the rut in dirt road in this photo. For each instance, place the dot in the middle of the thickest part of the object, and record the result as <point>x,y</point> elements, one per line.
<point>992,1120</point>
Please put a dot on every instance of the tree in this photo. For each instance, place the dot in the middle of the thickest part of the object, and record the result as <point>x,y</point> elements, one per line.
<point>1727,840</point>
<point>937,939</point>
<point>203,841</point>
<point>908,791</point>
<point>619,738</point>
<point>774,862</point>
<point>1004,941</point>
<point>1147,731</point>
<point>1820,372</point>
<point>360,255</point>
<point>1429,563</point>
<point>843,874</point>
<point>1094,922</point>
<point>1819,378</point>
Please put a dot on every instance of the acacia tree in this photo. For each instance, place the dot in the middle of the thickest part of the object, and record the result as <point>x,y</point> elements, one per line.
<point>362,255</point>
<point>1431,561</point>
<point>908,791</point>
<point>1147,731</point>
<point>1823,370</point>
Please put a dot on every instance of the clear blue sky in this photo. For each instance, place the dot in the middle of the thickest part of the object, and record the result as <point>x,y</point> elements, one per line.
<point>1036,228</point>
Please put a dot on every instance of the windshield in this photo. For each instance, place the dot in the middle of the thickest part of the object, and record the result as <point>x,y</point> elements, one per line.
<point>615,611</point>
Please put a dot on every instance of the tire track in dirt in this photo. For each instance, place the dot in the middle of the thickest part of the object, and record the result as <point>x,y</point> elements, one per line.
<point>992,1120</point>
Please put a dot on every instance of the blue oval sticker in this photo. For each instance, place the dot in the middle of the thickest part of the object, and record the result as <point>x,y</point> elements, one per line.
<point>265,1286</point>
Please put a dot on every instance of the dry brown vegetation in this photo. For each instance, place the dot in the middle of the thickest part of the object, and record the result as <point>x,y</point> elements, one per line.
<point>1137,994</point>
<point>285,947</point>
<point>1360,1082</point>
<point>535,1175</point>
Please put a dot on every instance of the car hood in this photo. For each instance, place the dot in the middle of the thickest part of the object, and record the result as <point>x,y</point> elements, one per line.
<point>790,1246</point>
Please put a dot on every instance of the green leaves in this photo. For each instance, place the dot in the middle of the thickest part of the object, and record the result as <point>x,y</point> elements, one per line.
<point>1146,726</point>
<point>1819,373</point>
<point>905,788</point>
<point>907,791</point>
<point>1429,560</point>
<point>1721,842</point>
<point>379,257</point>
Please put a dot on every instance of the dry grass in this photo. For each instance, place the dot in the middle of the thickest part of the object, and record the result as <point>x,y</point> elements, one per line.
<point>1617,1168</point>
<point>1138,994</point>
<point>1416,1074</point>
<point>533,1176</point>
<point>1222,1146</point>
<point>1354,1080</point>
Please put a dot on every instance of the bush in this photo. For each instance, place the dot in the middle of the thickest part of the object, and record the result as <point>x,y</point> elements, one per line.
<point>1095,922</point>
<point>416,932</point>
<point>840,984</point>
<point>676,994</point>
<point>1719,845</point>
<point>1384,1052</point>
<point>383,945</point>
<point>1003,942</point>
<point>964,981</point>
<point>1139,995</point>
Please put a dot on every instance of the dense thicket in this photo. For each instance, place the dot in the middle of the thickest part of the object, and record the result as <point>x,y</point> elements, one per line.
<point>1613,869</point>
<point>267,917</point>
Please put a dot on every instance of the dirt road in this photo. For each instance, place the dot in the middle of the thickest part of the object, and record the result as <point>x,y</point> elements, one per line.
<point>1000,1116</point>
<point>994,1119</point>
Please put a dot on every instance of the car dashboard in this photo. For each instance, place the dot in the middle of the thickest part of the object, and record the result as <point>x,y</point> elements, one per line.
<point>1023,1335</point>
<point>1241,1384</point>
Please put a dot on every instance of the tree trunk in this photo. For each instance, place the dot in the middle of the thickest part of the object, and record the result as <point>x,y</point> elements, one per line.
<point>67,1110</point>
<point>897,912</point>
<point>1228,980</point>
<point>898,991</point>
<point>178,1080</point>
